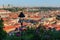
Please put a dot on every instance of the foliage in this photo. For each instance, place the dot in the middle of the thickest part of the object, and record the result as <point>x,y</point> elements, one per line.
<point>3,34</point>
<point>35,34</point>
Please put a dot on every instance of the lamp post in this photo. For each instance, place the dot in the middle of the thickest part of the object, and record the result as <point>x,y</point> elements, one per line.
<point>21,16</point>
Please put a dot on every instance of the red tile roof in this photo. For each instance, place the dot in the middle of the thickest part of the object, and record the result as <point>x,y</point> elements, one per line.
<point>13,15</point>
<point>4,18</point>
<point>7,28</point>
<point>4,11</point>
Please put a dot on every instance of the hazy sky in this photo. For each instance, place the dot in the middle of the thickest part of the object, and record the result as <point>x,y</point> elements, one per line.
<point>31,3</point>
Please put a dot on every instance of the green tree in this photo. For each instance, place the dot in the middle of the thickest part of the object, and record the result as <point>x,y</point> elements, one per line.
<point>2,32</point>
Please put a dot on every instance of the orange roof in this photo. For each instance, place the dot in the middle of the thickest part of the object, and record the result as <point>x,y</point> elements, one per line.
<point>4,10</point>
<point>12,15</point>
<point>35,16</point>
<point>7,28</point>
<point>4,18</point>
<point>53,25</point>
<point>58,28</point>
<point>24,23</point>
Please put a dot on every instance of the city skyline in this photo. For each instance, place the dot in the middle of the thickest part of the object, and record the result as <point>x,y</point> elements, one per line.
<point>31,3</point>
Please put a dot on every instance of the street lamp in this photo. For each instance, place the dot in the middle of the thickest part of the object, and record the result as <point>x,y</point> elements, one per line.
<point>21,16</point>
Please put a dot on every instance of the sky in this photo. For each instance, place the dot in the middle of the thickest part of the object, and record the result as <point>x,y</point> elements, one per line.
<point>31,3</point>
